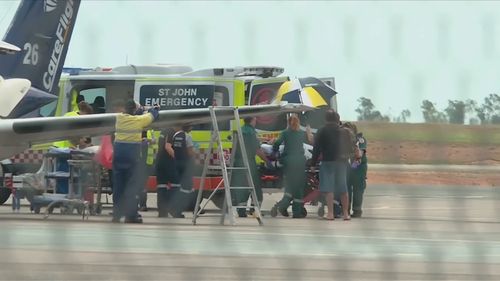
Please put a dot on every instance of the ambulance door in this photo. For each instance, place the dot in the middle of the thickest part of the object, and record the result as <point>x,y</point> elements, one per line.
<point>64,95</point>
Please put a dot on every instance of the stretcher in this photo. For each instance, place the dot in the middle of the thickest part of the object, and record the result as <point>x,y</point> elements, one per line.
<point>272,181</point>
<point>74,169</point>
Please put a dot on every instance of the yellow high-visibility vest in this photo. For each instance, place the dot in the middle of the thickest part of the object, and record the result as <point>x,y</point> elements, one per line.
<point>129,127</point>
<point>66,143</point>
<point>152,137</point>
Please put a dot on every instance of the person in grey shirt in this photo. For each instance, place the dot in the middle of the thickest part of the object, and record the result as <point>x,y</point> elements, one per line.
<point>332,143</point>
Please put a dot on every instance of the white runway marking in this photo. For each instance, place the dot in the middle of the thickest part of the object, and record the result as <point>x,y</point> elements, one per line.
<point>406,208</point>
<point>409,254</point>
<point>378,208</point>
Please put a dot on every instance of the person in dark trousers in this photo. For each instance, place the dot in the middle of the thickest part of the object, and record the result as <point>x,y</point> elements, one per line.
<point>166,174</point>
<point>184,162</point>
<point>127,160</point>
<point>238,178</point>
<point>357,175</point>
<point>350,128</point>
<point>332,143</point>
<point>144,171</point>
<point>294,162</point>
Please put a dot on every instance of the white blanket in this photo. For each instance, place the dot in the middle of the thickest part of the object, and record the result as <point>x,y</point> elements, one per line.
<point>268,149</point>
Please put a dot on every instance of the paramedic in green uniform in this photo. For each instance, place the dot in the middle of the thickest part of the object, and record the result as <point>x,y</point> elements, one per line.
<point>238,178</point>
<point>294,162</point>
<point>357,176</point>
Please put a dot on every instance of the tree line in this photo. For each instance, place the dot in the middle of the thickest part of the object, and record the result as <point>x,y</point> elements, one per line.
<point>486,112</point>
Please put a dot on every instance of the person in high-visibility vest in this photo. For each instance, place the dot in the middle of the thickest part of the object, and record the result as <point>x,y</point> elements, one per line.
<point>83,109</point>
<point>62,185</point>
<point>152,137</point>
<point>149,148</point>
<point>127,160</point>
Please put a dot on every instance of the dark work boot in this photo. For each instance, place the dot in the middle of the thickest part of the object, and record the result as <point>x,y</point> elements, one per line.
<point>283,205</point>
<point>137,218</point>
<point>298,210</point>
<point>283,211</point>
<point>176,214</point>
<point>174,210</point>
<point>242,213</point>
<point>133,220</point>
<point>298,216</point>
<point>356,214</point>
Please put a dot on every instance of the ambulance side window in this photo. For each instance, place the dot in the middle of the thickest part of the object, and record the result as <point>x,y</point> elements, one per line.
<point>95,97</point>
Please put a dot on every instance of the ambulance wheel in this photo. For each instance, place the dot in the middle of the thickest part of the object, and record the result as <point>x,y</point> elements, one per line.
<point>274,211</point>
<point>218,199</point>
<point>321,211</point>
<point>4,194</point>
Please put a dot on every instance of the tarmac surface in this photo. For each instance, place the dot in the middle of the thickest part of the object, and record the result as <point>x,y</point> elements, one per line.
<point>406,233</point>
<point>441,168</point>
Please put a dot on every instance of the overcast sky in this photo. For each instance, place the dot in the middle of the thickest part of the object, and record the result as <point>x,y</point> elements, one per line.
<point>396,53</point>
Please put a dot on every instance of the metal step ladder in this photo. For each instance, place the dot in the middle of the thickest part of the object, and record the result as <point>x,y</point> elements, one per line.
<point>226,170</point>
